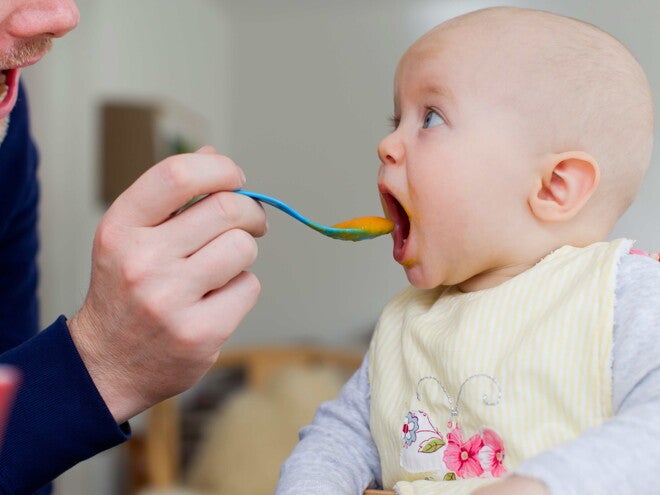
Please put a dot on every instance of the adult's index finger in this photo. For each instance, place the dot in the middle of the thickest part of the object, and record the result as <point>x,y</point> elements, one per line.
<point>170,184</point>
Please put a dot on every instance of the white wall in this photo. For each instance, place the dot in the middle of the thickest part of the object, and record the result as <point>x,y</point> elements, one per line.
<point>312,96</point>
<point>298,92</point>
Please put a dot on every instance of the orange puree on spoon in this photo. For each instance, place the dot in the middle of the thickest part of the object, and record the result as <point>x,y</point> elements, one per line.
<point>375,225</point>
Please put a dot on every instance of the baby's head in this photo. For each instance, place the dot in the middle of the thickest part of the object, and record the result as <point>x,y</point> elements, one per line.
<point>516,132</point>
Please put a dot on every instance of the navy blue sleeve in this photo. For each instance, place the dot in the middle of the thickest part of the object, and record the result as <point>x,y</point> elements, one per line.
<point>58,418</point>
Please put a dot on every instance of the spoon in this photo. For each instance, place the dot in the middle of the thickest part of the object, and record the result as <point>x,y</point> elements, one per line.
<point>356,229</point>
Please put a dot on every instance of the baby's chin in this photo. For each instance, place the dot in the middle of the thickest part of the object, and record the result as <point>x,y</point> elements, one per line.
<point>419,278</point>
<point>424,277</point>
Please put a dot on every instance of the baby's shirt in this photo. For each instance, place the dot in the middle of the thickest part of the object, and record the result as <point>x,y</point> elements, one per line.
<point>338,455</point>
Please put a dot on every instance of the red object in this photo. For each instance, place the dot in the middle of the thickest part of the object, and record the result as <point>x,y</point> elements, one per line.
<point>9,378</point>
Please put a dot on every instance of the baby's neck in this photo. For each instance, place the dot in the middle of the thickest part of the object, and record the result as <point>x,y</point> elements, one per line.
<point>517,260</point>
<point>493,278</point>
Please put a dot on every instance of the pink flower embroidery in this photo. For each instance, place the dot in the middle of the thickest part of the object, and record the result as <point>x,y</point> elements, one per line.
<point>463,457</point>
<point>492,454</point>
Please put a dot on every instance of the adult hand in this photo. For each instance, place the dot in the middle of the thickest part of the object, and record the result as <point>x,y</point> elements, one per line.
<point>167,290</point>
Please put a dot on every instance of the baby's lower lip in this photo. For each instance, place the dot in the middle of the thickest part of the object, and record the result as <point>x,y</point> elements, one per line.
<point>401,233</point>
<point>399,247</point>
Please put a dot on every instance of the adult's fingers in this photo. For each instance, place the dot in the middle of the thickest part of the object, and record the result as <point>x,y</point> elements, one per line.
<point>220,261</point>
<point>209,218</point>
<point>169,184</point>
<point>208,150</point>
<point>218,314</point>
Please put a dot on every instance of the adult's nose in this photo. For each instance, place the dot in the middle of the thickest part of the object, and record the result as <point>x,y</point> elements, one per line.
<point>41,18</point>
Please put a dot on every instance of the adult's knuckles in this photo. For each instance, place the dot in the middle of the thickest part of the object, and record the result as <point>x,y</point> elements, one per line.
<point>176,173</point>
<point>190,340</point>
<point>135,270</point>
<point>229,208</point>
<point>229,165</point>
<point>108,238</point>
<point>185,341</point>
<point>179,171</point>
<point>252,286</point>
<point>158,307</point>
<point>239,296</point>
<point>232,174</point>
<point>244,244</point>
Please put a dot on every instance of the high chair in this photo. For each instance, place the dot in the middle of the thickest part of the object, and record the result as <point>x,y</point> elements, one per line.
<point>154,457</point>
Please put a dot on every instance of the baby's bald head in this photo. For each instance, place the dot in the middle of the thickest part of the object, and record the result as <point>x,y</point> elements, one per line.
<point>574,86</point>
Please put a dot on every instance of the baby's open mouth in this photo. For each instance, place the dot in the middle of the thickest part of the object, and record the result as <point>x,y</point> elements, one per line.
<point>399,216</point>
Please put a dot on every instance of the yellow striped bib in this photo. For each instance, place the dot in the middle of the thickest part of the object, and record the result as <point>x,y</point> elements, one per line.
<point>464,386</point>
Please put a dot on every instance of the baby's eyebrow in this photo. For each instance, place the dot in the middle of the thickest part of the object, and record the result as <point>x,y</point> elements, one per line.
<point>429,88</point>
<point>437,90</point>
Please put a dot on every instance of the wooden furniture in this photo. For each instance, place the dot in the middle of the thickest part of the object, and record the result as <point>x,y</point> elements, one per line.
<point>154,458</point>
<point>137,134</point>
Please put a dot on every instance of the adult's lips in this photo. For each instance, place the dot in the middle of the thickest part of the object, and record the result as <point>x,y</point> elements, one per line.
<point>8,91</point>
<point>399,216</point>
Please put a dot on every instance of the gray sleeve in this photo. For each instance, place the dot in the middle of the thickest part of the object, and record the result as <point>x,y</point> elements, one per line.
<point>336,454</point>
<point>621,456</point>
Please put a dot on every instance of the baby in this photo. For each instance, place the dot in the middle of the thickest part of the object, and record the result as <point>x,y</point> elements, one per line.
<point>524,357</point>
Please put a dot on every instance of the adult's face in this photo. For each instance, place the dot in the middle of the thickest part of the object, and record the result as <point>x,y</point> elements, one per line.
<point>26,30</point>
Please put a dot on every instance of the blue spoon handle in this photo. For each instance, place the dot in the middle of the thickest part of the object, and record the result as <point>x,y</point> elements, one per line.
<point>334,232</point>
<point>284,207</point>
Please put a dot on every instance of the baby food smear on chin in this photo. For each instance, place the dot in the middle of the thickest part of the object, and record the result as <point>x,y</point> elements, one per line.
<point>370,226</point>
<point>407,263</point>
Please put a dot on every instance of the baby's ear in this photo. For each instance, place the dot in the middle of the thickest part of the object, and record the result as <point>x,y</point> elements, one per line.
<point>566,182</point>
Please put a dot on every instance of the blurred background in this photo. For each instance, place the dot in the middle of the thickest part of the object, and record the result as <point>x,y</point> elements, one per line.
<point>298,93</point>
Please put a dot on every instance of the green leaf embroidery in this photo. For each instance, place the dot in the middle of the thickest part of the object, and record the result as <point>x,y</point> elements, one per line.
<point>432,445</point>
<point>450,477</point>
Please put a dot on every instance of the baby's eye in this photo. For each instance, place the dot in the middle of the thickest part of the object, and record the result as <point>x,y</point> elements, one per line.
<point>432,119</point>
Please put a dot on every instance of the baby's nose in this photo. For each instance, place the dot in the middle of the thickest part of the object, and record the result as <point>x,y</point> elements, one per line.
<point>391,150</point>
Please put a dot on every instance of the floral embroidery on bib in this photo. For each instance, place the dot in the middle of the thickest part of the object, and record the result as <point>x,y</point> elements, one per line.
<point>449,456</point>
<point>653,256</point>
